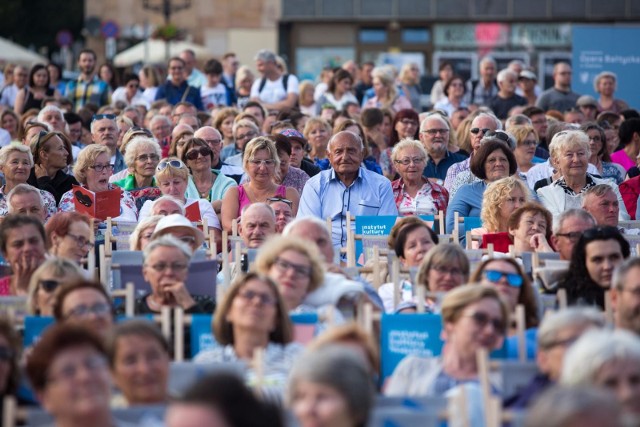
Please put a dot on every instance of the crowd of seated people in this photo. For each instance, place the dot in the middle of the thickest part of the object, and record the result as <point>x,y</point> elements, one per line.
<point>512,225</point>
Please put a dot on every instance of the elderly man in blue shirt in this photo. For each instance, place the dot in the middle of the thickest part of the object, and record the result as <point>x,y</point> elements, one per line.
<point>346,187</point>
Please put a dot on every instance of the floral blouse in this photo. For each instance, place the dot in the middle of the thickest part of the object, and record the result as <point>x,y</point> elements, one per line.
<point>128,209</point>
<point>48,199</point>
<point>430,199</point>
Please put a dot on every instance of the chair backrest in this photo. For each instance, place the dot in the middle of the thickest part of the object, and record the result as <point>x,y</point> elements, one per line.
<point>201,280</point>
<point>404,417</point>
<point>515,375</point>
<point>135,415</point>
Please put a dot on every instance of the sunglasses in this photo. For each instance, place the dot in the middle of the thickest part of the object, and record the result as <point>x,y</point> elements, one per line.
<point>483,319</point>
<point>141,130</point>
<point>103,116</point>
<point>494,276</point>
<point>475,131</point>
<point>49,285</point>
<point>280,199</point>
<point>195,153</point>
<point>173,163</point>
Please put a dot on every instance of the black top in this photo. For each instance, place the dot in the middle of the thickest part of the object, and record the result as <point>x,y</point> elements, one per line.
<point>60,184</point>
<point>309,167</point>
<point>204,305</point>
<point>31,102</point>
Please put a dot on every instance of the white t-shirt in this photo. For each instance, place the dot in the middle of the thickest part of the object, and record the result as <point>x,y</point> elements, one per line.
<point>213,96</point>
<point>273,91</point>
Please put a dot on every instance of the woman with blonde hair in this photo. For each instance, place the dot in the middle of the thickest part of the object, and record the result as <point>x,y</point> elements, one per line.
<point>526,143</point>
<point>244,81</point>
<point>409,79</point>
<point>223,122</point>
<point>294,266</point>
<point>306,102</point>
<point>500,199</point>
<point>317,132</point>
<point>260,161</point>
<point>386,94</point>
<point>45,282</point>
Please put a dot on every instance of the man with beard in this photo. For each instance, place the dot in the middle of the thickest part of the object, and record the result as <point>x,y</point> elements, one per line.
<point>104,131</point>
<point>346,187</point>
<point>625,295</point>
<point>88,88</point>
<point>434,135</point>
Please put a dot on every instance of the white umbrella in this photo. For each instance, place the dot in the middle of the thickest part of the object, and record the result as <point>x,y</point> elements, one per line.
<point>153,51</point>
<point>12,52</point>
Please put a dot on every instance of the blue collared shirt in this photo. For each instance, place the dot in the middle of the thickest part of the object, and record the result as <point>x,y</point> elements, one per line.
<point>439,171</point>
<point>174,94</point>
<point>325,195</point>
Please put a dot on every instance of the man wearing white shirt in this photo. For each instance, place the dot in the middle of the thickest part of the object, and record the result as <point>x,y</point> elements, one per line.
<point>275,91</point>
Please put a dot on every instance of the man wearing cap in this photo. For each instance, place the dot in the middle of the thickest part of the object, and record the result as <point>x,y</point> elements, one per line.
<point>181,228</point>
<point>275,91</point>
<point>506,98</point>
<point>589,107</point>
<point>527,86</point>
<point>559,97</point>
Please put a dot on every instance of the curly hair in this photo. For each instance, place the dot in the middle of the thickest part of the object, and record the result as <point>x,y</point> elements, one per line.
<point>494,196</point>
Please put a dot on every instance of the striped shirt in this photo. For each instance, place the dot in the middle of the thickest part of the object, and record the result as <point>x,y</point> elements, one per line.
<point>81,93</point>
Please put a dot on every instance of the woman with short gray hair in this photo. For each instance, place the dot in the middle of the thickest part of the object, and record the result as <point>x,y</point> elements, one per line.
<point>142,157</point>
<point>570,152</point>
<point>606,359</point>
<point>338,373</point>
<point>16,162</point>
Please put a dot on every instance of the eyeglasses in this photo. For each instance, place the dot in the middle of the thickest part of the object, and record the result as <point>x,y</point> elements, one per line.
<point>476,130</point>
<point>175,266</point>
<point>498,134</point>
<point>49,285</point>
<point>257,163</point>
<point>6,354</point>
<point>247,135</point>
<point>100,168</point>
<point>68,372</point>
<point>173,163</point>
<point>197,152</point>
<point>446,270</point>
<point>99,309</point>
<point>146,157</point>
<point>434,132</point>
<point>81,241</point>
<point>410,160</point>
<point>213,141</point>
<point>494,276</point>
<point>299,270</point>
<point>103,116</point>
<point>483,319</point>
<point>280,199</point>
<point>573,235</point>
<point>265,299</point>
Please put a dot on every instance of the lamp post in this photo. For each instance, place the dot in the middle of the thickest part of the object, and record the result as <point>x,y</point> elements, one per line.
<point>167,8</point>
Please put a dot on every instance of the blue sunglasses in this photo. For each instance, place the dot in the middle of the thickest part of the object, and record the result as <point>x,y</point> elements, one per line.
<point>494,276</point>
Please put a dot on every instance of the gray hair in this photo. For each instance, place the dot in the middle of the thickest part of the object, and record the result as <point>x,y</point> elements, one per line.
<point>6,151</point>
<point>503,74</point>
<point>245,123</point>
<point>134,238</point>
<point>571,213</point>
<point>115,122</point>
<point>560,406</point>
<point>567,139</point>
<point>166,241</point>
<point>45,110</point>
<point>351,135</point>
<point>517,120</point>
<point>23,189</point>
<point>569,317</point>
<point>598,190</point>
<point>407,143</point>
<point>488,59</point>
<point>343,370</point>
<point>602,75</point>
<point>168,198</point>
<point>157,118</point>
<point>139,143</point>
<point>265,55</point>
<point>620,273</point>
<point>492,117</point>
<point>584,359</point>
<point>433,115</point>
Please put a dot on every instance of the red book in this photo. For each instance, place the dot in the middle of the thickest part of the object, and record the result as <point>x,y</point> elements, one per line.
<point>100,205</point>
<point>192,212</point>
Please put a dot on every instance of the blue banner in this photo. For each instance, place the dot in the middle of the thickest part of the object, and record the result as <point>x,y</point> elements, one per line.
<point>604,48</point>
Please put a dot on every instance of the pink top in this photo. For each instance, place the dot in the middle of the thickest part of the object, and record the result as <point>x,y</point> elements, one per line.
<point>623,159</point>
<point>243,197</point>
